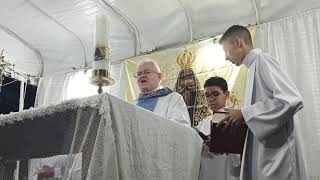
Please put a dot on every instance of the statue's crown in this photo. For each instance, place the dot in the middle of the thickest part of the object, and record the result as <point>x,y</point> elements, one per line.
<point>186,59</point>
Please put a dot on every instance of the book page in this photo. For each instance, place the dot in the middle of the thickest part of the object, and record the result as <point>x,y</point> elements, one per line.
<point>217,117</point>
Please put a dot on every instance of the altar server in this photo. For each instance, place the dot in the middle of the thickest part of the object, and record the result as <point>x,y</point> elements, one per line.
<point>217,166</point>
<point>270,103</point>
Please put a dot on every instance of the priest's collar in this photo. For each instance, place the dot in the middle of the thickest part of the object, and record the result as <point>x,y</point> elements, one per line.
<point>250,57</point>
<point>159,87</point>
<point>158,92</point>
<point>149,100</point>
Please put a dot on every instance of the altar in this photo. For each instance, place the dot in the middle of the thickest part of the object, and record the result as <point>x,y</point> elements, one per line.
<point>116,140</point>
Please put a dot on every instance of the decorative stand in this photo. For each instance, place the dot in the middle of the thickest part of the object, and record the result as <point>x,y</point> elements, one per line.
<point>101,77</point>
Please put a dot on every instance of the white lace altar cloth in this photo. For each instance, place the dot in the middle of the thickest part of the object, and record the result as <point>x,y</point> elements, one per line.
<point>117,140</point>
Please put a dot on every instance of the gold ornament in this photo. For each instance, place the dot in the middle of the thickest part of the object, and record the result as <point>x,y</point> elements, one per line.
<point>101,77</point>
<point>186,59</point>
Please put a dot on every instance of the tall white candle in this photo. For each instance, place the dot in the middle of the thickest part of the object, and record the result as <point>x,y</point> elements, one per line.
<point>102,30</point>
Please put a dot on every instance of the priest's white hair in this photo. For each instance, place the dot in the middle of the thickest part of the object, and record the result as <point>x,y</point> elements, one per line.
<point>153,62</point>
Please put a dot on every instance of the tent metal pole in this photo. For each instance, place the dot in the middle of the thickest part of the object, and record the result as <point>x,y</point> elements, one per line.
<point>257,12</point>
<point>21,105</point>
<point>188,16</point>
<point>63,27</point>
<point>21,97</point>
<point>32,48</point>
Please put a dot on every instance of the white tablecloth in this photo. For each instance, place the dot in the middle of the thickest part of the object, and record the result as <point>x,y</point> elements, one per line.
<point>118,140</point>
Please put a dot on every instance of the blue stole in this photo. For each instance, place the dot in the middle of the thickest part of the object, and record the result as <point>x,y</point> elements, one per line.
<point>149,100</point>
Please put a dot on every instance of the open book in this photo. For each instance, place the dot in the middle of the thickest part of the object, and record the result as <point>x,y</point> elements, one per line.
<point>226,139</point>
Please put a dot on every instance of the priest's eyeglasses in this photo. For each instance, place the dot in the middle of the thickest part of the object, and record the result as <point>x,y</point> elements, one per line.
<point>213,94</point>
<point>144,72</point>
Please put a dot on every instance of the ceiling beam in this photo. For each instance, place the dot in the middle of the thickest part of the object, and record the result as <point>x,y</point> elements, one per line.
<point>188,16</point>
<point>257,12</point>
<point>63,27</point>
<point>24,42</point>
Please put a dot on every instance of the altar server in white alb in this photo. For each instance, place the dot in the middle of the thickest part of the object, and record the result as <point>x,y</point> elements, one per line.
<point>217,166</point>
<point>271,101</point>
<point>158,99</point>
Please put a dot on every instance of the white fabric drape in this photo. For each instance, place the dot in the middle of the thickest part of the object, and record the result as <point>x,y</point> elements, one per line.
<point>61,87</point>
<point>116,141</point>
<point>76,84</point>
<point>295,42</point>
<point>50,90</point>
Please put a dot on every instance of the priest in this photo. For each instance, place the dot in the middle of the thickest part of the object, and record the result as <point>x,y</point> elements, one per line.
<point>158,99</point>
<point>271,101</point>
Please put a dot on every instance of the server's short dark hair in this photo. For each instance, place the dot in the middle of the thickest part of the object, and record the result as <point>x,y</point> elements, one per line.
<point>217,81</point>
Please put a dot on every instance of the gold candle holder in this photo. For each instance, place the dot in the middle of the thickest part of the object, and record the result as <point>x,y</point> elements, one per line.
<point>101,77</point>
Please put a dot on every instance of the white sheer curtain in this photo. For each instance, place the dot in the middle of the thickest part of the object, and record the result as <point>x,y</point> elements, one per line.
<point>50,90</point>
<point>295,42</point>
<point>61,87</point>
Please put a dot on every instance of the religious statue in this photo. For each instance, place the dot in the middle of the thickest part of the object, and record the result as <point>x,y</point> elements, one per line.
<point>188,86</point>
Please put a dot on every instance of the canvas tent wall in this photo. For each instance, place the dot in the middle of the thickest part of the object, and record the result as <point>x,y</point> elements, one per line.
<point>49,39</point>
<point>46,37</point>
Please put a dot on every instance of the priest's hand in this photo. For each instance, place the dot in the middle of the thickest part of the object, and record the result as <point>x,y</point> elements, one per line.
<point>234,117</point>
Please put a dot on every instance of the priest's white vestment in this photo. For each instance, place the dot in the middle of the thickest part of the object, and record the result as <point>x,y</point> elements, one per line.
<point>173,107</point>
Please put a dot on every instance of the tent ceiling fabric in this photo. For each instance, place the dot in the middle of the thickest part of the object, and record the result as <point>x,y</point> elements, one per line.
<point>60,33</point>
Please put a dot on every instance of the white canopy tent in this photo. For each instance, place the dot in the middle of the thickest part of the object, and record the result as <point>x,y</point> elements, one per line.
<point>45,37</point>
<point>48,38</point>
